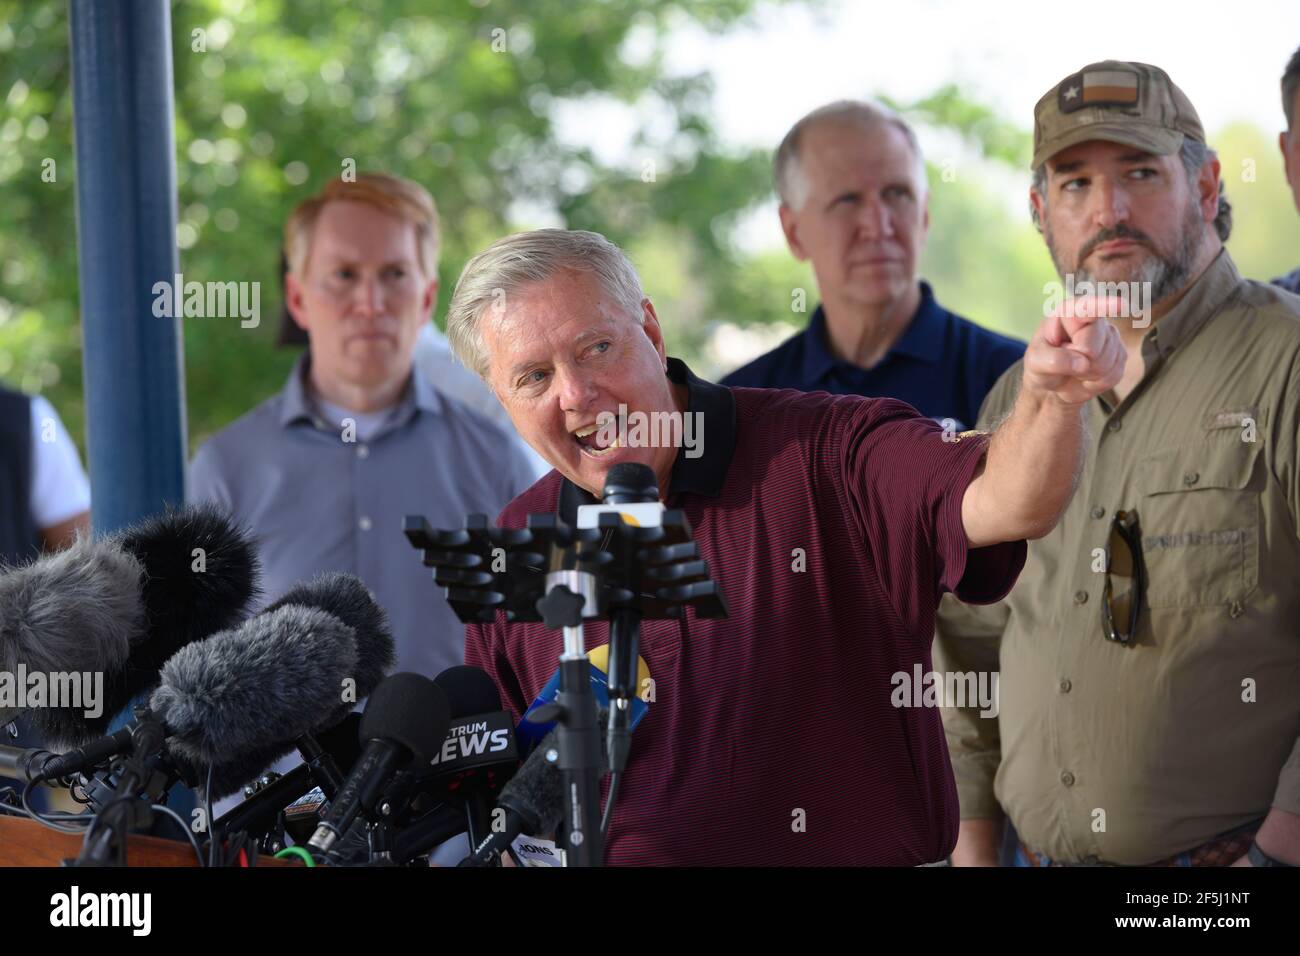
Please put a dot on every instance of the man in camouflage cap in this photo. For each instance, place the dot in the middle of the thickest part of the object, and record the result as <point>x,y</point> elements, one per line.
<point>1148,656</point>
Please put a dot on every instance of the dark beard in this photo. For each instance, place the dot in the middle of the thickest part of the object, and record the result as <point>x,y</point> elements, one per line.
<point>1166,275</point>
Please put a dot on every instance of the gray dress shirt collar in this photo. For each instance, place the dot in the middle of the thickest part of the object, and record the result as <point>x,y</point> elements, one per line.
<point>297,404</point>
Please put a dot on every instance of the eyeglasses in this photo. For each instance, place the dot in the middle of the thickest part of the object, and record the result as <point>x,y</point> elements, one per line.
<point>1124,569</point>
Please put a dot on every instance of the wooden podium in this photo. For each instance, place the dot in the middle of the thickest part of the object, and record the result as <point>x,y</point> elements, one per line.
<point>27,843</point>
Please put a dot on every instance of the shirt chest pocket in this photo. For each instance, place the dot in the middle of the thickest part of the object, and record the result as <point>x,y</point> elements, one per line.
<point>1200,523</point>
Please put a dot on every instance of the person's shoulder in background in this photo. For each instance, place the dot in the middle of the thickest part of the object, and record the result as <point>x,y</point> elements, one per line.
<point>435,361</point>
<point>983,357</point>
<point>1290,281</point>
<point>224,454</point>
<point>989,352</point>
<point>483,439</point>
<point>59,498</point>
<point>778,368</point>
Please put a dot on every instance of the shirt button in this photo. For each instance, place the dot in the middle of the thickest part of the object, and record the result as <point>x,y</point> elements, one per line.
<point>1235,609</point>
<point>364,523</point>
<point>1067,778</point>
<point>1099,512</point>
<point>1114,425</point>
<point>363,451</point>
<point>1191,478</point>
<point>1080,597</point>
<point>1065,685</point>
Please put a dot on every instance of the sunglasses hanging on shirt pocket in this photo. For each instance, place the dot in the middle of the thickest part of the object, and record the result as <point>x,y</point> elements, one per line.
<point>1124,594</point>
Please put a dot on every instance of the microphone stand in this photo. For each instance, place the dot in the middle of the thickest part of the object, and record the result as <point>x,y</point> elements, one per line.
<point>568,594</point>
<point>624,650</point>
<point>559,574</point>
<point>105,843</point>
<point>624,486</point>
<point>324,770</point>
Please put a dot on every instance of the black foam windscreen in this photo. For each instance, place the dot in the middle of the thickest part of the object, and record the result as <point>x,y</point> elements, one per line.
<point>76,611</point>
<point>408,709</point>
<point>469,690</point>
<point>347,598</point>
<point>341,742</point>
<point>200,573</point>
<point>278,675</point>
<point>630,481</point>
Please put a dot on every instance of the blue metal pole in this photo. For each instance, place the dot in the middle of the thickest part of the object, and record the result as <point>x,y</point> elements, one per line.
<point>126,242</point>
<point>126,230</point>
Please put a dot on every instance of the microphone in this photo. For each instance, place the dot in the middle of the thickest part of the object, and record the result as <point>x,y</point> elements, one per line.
<point>347,598</point>
<point>469,690</point>
<point>479,753</point>
<point>277,676</point>
<point>453,793</point>
<point>195,573</point>
<point>259,811</point>
<point>404,724</point>
<point>632,491</point>
<point>426,832</point>
<point>74,611</point>
<point>201,571</point>
<point>533,801</point>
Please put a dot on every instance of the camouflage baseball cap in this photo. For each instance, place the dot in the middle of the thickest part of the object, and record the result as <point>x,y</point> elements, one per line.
<point>1131,103</point>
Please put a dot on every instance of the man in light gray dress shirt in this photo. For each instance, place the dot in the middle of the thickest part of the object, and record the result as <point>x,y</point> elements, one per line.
<point>323,472</point>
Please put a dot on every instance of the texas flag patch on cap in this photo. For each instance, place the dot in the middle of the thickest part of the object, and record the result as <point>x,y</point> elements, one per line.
<point>1098,88</point>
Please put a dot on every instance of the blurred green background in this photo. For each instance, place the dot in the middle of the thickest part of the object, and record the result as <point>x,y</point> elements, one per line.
<point>283,94</point>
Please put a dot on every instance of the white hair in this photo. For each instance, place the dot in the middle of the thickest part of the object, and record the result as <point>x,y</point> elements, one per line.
<point>508,265</point>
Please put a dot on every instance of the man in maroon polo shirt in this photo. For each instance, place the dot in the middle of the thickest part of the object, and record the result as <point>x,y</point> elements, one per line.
<point>833,524</point>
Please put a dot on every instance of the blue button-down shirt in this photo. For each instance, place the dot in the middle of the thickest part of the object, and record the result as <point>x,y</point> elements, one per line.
<point>942,365</point>
<point>317,501</point>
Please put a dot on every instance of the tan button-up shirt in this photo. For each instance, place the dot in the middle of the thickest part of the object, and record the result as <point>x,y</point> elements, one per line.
<point>1131,754</point>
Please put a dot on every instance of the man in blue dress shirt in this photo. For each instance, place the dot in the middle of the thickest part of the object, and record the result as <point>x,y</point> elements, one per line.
<point>854,203</point>
<point>324,471</point>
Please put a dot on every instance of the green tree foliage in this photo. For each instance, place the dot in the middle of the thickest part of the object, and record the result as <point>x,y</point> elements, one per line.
<point>275,97</point>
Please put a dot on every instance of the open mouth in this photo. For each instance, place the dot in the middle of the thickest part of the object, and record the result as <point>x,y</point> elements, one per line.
<point>600,438</point>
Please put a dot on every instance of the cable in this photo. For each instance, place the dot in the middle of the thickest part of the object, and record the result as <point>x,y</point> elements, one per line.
<point>48,820</point>
<point>207,820</point>
<point>298,852</point>
<point>235,851</point>
<point>102,819</point>
<point>168,811</point>
<point>614,778</point>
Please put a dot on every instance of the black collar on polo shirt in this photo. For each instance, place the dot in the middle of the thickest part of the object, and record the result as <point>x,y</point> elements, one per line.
<point>700,476</point>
